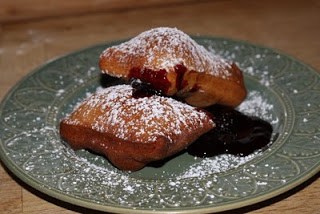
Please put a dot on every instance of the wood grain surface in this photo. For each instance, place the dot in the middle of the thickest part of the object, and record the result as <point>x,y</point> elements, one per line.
<point>17,10</point>
<point>292,27</point>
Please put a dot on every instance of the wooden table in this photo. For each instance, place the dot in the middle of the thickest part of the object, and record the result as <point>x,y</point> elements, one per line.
<point>290,26</point>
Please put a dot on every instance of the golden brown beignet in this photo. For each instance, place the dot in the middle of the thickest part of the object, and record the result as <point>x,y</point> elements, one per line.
<point>173,63</point>
<point>132,132</point>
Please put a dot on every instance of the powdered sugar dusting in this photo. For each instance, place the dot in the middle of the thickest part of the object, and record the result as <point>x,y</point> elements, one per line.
<point>217,164</point>
<point>164,48</point>
<point>256,105</point>
<point>138,119</point>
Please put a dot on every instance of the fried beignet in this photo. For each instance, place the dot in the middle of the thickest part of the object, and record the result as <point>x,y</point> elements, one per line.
<point>132,132</point>
<point>173,63</point>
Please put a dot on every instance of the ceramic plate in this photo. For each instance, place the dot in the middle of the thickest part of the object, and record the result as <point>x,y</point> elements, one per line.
<point>282,90</point>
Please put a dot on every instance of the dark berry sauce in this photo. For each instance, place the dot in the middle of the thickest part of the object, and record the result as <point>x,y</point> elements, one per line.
<point>180,71</point>
<point>154,79</point>
<point>157,79</point>
<point>235,133</point>
<point>142,89</point>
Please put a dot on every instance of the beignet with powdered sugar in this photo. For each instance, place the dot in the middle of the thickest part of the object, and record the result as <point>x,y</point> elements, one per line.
<point>173,63</point>
<point>133,131</point>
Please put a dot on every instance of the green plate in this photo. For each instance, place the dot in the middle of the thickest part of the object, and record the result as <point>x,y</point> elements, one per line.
<point>282,90</point>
